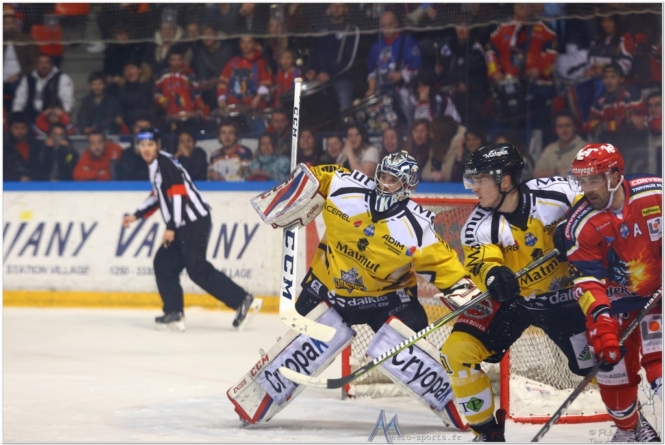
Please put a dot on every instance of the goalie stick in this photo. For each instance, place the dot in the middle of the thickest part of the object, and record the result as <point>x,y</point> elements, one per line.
<point>593,371</point>
<point>287,294</point>
<point>316,382</point>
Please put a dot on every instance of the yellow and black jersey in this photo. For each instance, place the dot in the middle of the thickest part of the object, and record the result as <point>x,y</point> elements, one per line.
<point>514,240</point>
<point>364,255</point>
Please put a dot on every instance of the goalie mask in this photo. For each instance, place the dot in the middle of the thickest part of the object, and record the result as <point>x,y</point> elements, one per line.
<point>396,178</point>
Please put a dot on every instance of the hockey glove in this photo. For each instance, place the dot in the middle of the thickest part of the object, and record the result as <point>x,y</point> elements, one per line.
<point>560,241</point>
<point>603,335</point>
<point>502,284</point>
<point>458,294</point>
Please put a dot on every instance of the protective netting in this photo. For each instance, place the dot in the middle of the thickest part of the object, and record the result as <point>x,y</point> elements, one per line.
<point>86,22</point>
<point>533,357</point>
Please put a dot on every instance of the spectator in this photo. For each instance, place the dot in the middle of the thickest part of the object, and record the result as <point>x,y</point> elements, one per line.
<point>99,111</point>
<point>524,49</point>
<point>193,159</point>
<point>18,60</point>
<point>333,151</point>
<point>246,80</point>
<point>474,138</point>
<point>432,103</point>
<point>136,96</point>
<point>357,153</point>
<point>510,137</point>
<point>275,44</point>
<point>419,142</point>
<point>390,142</point>
<point>393,62</point>
<point>267,165</point>
<point>463,69</point>
<point>558,156</point>
<point>609,119</point>
<point>192,42</point>
<point>40,89</point>
<point>176,89</point>
<point>308,152</point>
<point>98,162</point>
<point>653,122</point>
<point>57,158</point>
<point>209,61</point>
<point>285,76</point>
<point>279,128</point>
<point>19,148</point>
<point>51,116</point>
<point>341,39</point>
<point>252,18</point>
<point>611,45</point>
<point>167,36</point>
<point>225,17</point>
<point>117,55</point>
<point>131,166</point>
<point>231,161</point>
<point>443,131</point>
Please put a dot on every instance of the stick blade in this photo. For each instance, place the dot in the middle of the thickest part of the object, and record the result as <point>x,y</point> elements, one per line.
<point>308,327</point>
<point>302,379</point>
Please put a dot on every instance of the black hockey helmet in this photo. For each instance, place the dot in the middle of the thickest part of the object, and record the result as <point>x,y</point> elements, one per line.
<point>497,160</point>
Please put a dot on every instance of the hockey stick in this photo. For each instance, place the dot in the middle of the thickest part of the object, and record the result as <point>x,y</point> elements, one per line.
<point>287,304</point>
<point>592,373</point>
<point>316,382</point>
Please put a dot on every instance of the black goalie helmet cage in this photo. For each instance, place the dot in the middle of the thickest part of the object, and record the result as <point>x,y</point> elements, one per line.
<point>496,160</point>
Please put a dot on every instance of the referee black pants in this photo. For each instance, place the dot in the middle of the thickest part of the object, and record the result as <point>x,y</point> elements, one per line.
<point>188,251</point>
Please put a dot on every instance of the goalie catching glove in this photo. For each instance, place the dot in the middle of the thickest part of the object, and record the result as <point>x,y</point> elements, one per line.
<point>459,294</point>
<point>296,200</point>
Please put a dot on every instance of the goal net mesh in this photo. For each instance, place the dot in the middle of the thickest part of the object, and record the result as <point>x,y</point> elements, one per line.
<point>536,364</point>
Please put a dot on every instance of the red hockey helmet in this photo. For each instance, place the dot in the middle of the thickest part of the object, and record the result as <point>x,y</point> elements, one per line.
<point>595,160</point>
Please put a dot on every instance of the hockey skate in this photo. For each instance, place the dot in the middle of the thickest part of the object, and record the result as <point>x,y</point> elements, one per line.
<point>647,433</point>
<point>249,307</point>
<point>494,430</point>
<point>174,321</point>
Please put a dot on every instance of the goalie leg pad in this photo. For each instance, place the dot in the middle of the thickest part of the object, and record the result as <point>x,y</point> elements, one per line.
<point>263,392</point>
<point>417,370</point>
<point>296,200</point>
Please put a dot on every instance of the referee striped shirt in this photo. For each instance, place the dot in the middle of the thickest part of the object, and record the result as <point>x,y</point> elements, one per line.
<point>173,192</point>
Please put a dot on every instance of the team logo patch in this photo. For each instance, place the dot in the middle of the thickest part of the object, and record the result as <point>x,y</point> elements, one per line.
<point>369,230</point>
<point>350,281</point>
<point>655,226</point>
<point>357,224</point>
<point>530,240</point>
<point>362,244</point>
<point>410,251</point>
<point>624,231</point>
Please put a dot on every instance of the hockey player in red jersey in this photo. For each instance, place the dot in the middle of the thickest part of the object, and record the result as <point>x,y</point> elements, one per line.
<point>613,240</point>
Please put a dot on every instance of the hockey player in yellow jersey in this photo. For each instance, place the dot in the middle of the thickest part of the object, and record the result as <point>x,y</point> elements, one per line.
<point>512,225</point>
<point>377,241</point>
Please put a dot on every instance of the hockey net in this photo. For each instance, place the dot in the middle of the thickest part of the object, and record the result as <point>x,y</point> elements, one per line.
<point>532,380</point>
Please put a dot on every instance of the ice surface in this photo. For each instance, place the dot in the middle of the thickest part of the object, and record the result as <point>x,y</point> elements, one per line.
<point>94,375</point>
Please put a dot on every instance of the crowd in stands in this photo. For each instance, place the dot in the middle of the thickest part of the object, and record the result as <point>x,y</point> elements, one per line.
<point>229,69</point>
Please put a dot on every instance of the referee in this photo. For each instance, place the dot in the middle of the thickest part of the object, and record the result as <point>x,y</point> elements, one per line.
<point>187,217</point>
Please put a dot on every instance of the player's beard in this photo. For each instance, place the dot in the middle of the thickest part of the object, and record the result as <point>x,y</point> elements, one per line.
<point>597,202</point>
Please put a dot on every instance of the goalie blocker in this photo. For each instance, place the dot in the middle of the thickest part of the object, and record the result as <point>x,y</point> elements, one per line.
<point>296,200</point>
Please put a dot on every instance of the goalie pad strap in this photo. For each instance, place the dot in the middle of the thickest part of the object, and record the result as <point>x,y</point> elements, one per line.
<point>417,370</point>
<point>295,200</point>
